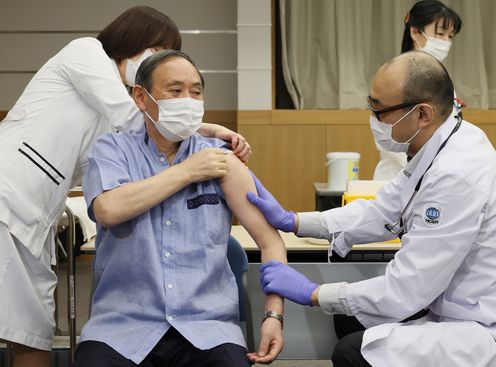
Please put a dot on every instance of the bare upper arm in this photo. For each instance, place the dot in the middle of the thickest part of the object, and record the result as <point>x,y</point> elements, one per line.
<point>236,184</point>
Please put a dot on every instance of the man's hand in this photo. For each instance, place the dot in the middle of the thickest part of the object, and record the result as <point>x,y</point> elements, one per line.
<point>275,214</point>
<point>206,164</point>
<point>271,342</point>
<point>239,145</point>
<point>282,279</point>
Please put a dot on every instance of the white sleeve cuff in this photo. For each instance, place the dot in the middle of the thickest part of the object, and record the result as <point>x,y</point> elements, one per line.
<point>332,299</point>
<point>312,224</point>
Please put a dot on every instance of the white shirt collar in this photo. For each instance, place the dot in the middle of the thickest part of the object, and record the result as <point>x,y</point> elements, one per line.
<point>442,132</point>
<point>410,166</point>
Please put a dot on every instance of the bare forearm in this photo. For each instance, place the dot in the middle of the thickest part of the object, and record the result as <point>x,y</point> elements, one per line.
<point>130,200</point>
<point>274,302</point>
<point>208,130</point>
<point>235,185</point>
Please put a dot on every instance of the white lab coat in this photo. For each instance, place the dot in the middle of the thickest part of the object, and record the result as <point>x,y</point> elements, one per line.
<point>73,99</point>
<point>446,264</point>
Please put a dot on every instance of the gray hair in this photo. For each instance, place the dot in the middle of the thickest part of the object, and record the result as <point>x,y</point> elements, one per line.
<point>145,70</point>
<point>427,80</point>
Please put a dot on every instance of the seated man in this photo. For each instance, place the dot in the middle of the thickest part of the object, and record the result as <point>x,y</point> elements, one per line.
<point>161,196</point>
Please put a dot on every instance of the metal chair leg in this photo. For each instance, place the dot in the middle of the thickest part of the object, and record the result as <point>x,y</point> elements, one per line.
<point>71,279</point>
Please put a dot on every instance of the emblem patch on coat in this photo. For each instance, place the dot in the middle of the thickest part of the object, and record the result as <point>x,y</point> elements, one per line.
<point>432,215</point>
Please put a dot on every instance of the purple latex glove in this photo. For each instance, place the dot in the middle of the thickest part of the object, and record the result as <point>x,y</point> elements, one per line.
<point>271,209</point>
<point>282,279</point>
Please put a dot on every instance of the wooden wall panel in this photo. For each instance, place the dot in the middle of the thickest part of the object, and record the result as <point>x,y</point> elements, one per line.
<point>288,159</point>
<point>220,117</point>
<point>485,119</point>
<point>289,147</point>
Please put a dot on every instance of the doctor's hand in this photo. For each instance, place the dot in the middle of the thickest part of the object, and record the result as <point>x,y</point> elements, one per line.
<point>205,165</point>
<point>271,342</point>
<point>271,209</point>
<point>282,279</point>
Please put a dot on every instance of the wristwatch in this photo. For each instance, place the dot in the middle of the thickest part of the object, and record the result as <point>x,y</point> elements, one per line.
<point>275,315</point>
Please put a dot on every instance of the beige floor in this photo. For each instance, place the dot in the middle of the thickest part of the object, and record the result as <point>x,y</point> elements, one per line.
<point>301,363</point>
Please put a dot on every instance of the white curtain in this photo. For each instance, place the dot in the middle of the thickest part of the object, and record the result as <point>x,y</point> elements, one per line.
<point>332,48</point>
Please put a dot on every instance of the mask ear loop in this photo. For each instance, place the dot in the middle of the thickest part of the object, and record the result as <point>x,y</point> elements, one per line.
<point>414,41</point>
<point>154,100</point>
<point>426,36</point>
<point>405,115</point>
<point>149,95</point>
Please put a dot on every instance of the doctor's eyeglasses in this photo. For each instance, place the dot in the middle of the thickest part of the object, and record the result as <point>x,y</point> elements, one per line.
<point>378,113</point>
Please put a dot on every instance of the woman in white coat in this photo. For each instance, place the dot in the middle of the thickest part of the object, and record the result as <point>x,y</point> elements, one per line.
<point>443,204</point>
<point>78,95</point>
<point>430,26</point>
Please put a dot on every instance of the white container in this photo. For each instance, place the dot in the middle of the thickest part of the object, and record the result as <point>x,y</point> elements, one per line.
<point>341,168</point>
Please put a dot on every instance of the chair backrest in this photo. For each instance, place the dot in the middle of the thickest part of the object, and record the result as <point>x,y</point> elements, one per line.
<point>238,261</point>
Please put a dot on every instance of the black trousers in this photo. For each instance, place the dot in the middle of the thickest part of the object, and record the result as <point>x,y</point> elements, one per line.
<point>172,350</point>
<point>350,334</point>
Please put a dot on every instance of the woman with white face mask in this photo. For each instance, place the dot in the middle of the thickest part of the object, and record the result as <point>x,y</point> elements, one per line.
<point>430,26</point>
<point>78,95</point>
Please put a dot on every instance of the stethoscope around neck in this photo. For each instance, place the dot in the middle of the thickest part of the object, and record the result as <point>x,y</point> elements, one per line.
<point>399,223</point>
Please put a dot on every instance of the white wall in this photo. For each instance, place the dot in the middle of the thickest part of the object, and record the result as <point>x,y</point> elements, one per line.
<point>31,31</point>
<point>254,55</point>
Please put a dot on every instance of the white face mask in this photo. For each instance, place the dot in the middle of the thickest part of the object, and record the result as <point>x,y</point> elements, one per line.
<point>383,134</point>
<point>436,47</point>
<point>178,118</point>
<point>132,67</point>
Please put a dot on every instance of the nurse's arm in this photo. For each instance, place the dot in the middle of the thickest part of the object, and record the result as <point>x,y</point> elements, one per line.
<point>129,200</point>
<point>235,185</point>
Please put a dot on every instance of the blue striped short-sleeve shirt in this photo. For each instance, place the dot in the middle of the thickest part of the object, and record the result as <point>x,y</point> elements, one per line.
<point>166,267</point>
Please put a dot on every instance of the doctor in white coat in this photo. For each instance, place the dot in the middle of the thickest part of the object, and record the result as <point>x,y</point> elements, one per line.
<point>443,205</point>
<point>78,95</point>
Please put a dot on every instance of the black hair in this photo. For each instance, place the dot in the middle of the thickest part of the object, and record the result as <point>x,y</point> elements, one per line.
<point>145,70</point>
<point>424,13</point>
<point>137,29</point>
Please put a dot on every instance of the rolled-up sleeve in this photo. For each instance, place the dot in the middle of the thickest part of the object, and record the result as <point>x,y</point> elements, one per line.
<point>106,170</point>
